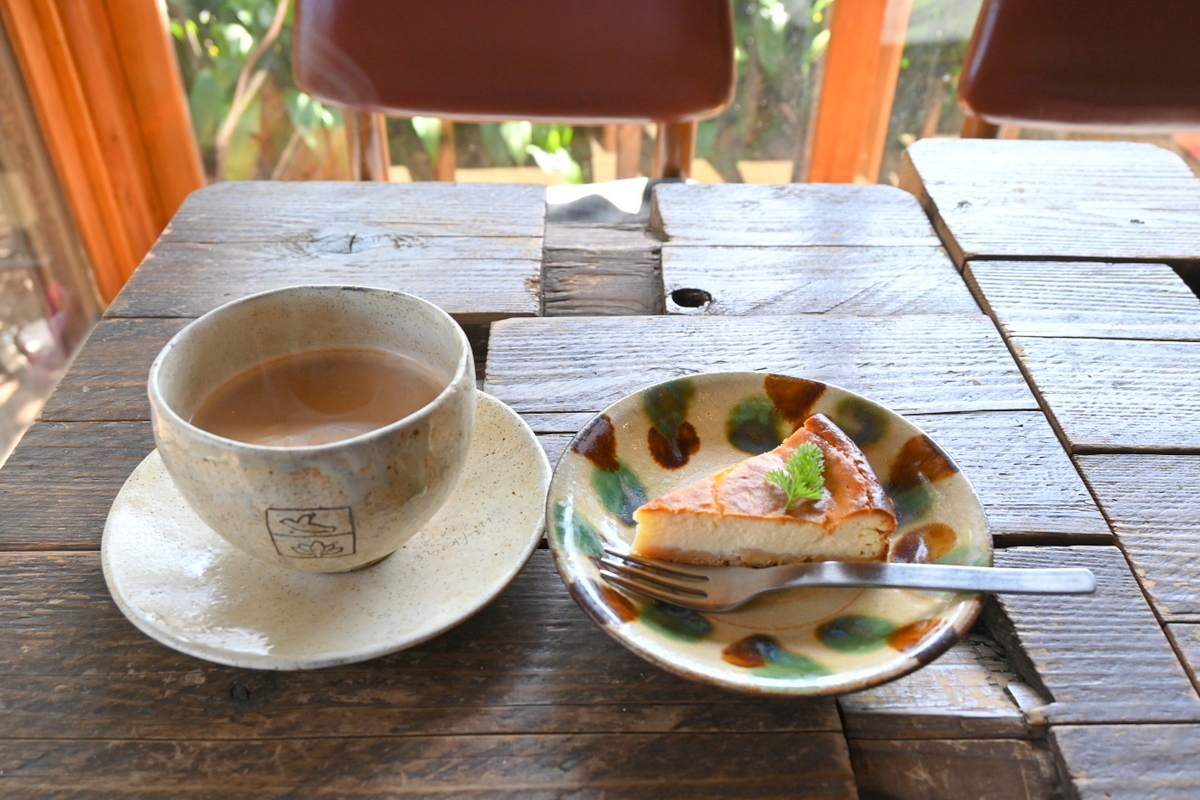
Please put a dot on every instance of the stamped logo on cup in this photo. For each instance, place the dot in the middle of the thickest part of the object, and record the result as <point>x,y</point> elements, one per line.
<point>311,532</point>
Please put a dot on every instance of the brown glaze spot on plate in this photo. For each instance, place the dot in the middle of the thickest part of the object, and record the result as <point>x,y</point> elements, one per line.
<point>924,544</point>
<point>618,604</point>
<point>909,636</point>
<point>746,652</point>
<point>919,461</point>
<point>794,397</point>
<point>674,453</point>
<point>598,444</point>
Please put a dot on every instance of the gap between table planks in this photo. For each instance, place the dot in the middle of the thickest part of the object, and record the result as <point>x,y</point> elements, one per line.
<point>1151,502</point>
<point>1085,299</point>
<point>846,281</point>
<point>1104,201</point>
<point>1100,658</point>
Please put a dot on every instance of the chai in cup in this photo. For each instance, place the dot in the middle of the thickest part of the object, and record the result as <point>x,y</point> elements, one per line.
<point>316,427</point>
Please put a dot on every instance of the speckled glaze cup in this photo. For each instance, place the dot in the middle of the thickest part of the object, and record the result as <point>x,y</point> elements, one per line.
<point>326,508</point>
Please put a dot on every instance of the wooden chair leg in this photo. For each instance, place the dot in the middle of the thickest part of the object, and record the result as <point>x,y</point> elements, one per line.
<point>629,150</point>
<point>673,149</point>
<point>446,163</point>
<point>976,128</point>
<point>366,133</point>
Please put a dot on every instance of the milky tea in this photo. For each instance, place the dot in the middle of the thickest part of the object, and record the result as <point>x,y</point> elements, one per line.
<point>317,396</point>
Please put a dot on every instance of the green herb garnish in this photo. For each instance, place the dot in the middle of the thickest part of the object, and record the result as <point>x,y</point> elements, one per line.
<point>803,476</point>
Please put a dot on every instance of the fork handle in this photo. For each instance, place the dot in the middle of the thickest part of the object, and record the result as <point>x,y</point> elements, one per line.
<point>1065,580</point>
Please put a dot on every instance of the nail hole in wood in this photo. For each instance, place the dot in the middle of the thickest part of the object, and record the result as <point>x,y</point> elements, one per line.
<point>690,298</point>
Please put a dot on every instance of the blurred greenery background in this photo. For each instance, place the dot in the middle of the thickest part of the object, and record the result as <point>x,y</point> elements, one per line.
<point>252,123</point>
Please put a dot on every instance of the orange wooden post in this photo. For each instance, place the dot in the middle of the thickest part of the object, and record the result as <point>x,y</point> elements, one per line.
<point>858,85</point>
<point>106,90</point>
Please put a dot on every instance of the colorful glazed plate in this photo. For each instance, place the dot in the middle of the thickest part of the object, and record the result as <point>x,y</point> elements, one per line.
<point>796,642</point>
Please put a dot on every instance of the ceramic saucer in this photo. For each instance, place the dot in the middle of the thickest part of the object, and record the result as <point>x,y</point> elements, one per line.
<point>799,642</point>
<point>184,586</point>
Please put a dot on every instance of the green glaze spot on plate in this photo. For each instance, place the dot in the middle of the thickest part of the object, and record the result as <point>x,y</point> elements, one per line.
<point>855,633</point>
<point>620,492</point>
<point>571,531</point>
<point>800,642</point>
<point>676,622</point>
<point>754,426</point>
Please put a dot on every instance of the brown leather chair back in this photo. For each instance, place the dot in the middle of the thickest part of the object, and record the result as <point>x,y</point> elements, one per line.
<point>585,61</point>
<point>571,61</point>
<point>1103,64</point>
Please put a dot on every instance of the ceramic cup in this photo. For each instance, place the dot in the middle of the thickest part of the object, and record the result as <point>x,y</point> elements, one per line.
<point>324,508</point>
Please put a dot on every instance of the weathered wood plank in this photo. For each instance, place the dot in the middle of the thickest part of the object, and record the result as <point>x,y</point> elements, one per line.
<point>1030,490</point>
<point>1086,299</point>
<point>475,279</point>
<point>531,662</point>
<point>107,379</point>
<point>932,769</point>
<point>1139,762</point>
<point>308,211</point>
<point>1101,658</point>
<point>1044,199</point>
<point>610,270</point>
<point>60,481</point>
<point>1187,643</point>
<point>631,766</point>
<point>788,215</point>
<point>850,281</point>
<point>1118,395</point>
<point>923,364</point>
<point>1155,513</point>
<point>962,695</point>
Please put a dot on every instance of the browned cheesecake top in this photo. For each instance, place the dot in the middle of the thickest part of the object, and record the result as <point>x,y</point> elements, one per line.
<point>743,490</point>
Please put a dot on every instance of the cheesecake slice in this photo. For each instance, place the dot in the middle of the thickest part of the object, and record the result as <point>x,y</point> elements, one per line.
<point>739,517</point>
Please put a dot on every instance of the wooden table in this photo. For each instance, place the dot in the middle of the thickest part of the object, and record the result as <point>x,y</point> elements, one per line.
<point>1057,369</point>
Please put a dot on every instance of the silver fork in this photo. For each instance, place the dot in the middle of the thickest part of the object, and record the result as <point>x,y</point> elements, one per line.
<point>726,588</point>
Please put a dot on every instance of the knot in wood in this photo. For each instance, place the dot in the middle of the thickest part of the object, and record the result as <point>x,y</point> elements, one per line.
<point>691,298</point>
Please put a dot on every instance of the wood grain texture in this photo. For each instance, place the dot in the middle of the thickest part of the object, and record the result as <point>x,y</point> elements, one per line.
<point>1115,395</point>
<point>938,769</point>
<point>1030,490</point>
<point>1101,658</point>
<point>923,364</point>
<point>475,279</point>
<point>962,695</point>
<point>1186,637</point>
<point>632,766</point>
<point>788,215</point>
<point>1086,299</point>
<point>1139,762</point>
<point>601,270</point>
<point>529,663</point>
<point>1155,513</point>
<point>107,379</point>
<point>1045,199</point>
<point>290,211</point>
<point>60,481</point>
<point>849,281</point>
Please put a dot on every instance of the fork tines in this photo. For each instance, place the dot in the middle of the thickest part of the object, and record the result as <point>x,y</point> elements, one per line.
<point>650,565</point>
<point>651,578</point>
